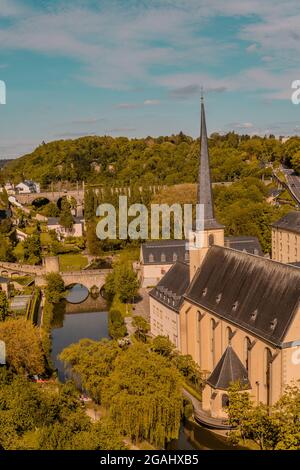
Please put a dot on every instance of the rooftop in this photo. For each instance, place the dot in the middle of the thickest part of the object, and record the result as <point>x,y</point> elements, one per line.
<point>290,221</point>
<point>172,286</point>
<point>254,293</point>
<point>228,370</point>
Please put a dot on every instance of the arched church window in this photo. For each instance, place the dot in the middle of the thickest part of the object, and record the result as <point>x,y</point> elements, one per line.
<point>247,349</point>
<point>212,341</point>
<point>163,258</point>
<point>211,240</point>
<point>225,400</point>
<point>268,373</point>
<point>151,258</point>
<point>186,256</point>
<point>228,335</point>
<point>174,257</point>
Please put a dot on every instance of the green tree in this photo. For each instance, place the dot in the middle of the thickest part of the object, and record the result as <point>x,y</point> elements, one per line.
<point>122,282</point>
<point>143,395</point>
<point>91,361</point>
<point>141,326</point>
<point>66,219</point>
<point>32,249</point>
<point>3,306</point>
<point>116,325</point>
<point>162,345</point>
<point>55,288</point>
<point>24,352</point>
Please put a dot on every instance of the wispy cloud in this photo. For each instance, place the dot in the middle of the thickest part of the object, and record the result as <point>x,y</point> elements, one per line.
<point>120,130</point>
<point>74,134</point>
<point>88,121</point>
<point>137,105</point>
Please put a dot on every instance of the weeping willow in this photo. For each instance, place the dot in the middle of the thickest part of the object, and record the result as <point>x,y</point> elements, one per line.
<point>143,395</point>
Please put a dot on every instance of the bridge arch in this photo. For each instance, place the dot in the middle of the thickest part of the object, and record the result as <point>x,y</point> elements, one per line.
<point>76,293</point>
<point>40,202</point>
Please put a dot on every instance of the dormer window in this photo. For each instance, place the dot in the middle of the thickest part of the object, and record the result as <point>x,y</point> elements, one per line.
<point>273,324</point>
<point>163,258</point>
<point>204,292</point>
<point>151,258</point>
<point>254,315</point>
<point>218,298</point>
<point>235,306</point>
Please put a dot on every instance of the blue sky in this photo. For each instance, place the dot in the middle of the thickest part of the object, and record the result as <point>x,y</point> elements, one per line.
<point>135,68</point>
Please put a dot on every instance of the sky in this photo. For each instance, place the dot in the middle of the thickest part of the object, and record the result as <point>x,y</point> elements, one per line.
<point>136,68</point>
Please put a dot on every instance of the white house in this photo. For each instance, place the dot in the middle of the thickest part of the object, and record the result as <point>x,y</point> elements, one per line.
<point>75,231</point>
<point>27,187</point>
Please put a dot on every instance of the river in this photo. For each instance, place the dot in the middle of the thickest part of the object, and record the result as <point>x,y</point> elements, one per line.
<point>83,323</point>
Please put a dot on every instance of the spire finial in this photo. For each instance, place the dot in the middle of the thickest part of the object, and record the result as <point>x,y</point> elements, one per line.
<point>201,93</point>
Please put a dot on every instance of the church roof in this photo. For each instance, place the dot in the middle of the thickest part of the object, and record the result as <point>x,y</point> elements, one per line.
<point>228,370</point>
<point>246,244</point>
<point>173,250</point>
<point>204,195</point>
<point>254,293</point>
<point>290,221</point>
<point>170,289</point>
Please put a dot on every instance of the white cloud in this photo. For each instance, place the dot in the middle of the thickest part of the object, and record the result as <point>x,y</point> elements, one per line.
<point>251,48</point>
<point>243,125</point>
<point>151,102</point>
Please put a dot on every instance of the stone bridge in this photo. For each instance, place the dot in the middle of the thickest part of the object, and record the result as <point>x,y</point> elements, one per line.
<point>18,269</point>
<point>88,278</point>
<point>54,196</point>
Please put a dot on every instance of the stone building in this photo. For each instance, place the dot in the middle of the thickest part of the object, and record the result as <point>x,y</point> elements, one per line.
<point>286,238</point>
<point>237,313</point>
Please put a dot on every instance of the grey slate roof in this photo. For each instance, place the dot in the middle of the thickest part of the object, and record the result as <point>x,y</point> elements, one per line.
<point>247,244</point>
<point>170,289</point>
<point>53,221</point>
<point>152,251</point>
<point>178,247</point>
<point>254,293</point>
<point>229,370</point>
<point>205,196</point>
<point>290,221</point>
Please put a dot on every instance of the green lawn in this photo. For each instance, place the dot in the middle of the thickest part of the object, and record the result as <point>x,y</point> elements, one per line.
<point>72,262</point>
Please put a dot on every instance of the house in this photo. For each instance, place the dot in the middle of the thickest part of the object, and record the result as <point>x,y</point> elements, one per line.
<point>9,188</point>
<point>75,231</point>
<point>156,258</point>
<point>5,285</point>
<point>286,238</point>
<point>27,187</point>
<point>236,313</point>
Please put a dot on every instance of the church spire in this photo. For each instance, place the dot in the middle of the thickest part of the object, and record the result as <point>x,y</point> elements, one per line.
<point>204,195</point>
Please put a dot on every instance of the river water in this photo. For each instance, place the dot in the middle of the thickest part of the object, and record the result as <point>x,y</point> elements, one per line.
<point>71,327</point>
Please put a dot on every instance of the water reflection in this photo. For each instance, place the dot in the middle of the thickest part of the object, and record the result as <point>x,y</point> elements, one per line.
<point>77,294</point>
<point>194,436</point>
<point>76,326</point>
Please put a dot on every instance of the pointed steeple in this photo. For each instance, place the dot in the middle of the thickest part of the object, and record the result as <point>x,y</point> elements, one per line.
<point>204,193</point>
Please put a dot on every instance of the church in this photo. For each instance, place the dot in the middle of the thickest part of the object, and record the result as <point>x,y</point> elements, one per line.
<point>235,312</point>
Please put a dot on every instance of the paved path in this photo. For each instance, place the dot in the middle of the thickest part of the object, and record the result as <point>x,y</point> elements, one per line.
<point>142,308</point>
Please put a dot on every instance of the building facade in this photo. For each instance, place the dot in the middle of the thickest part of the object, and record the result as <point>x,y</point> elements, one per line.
<point>239,313</point>
<point>286,238</point>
